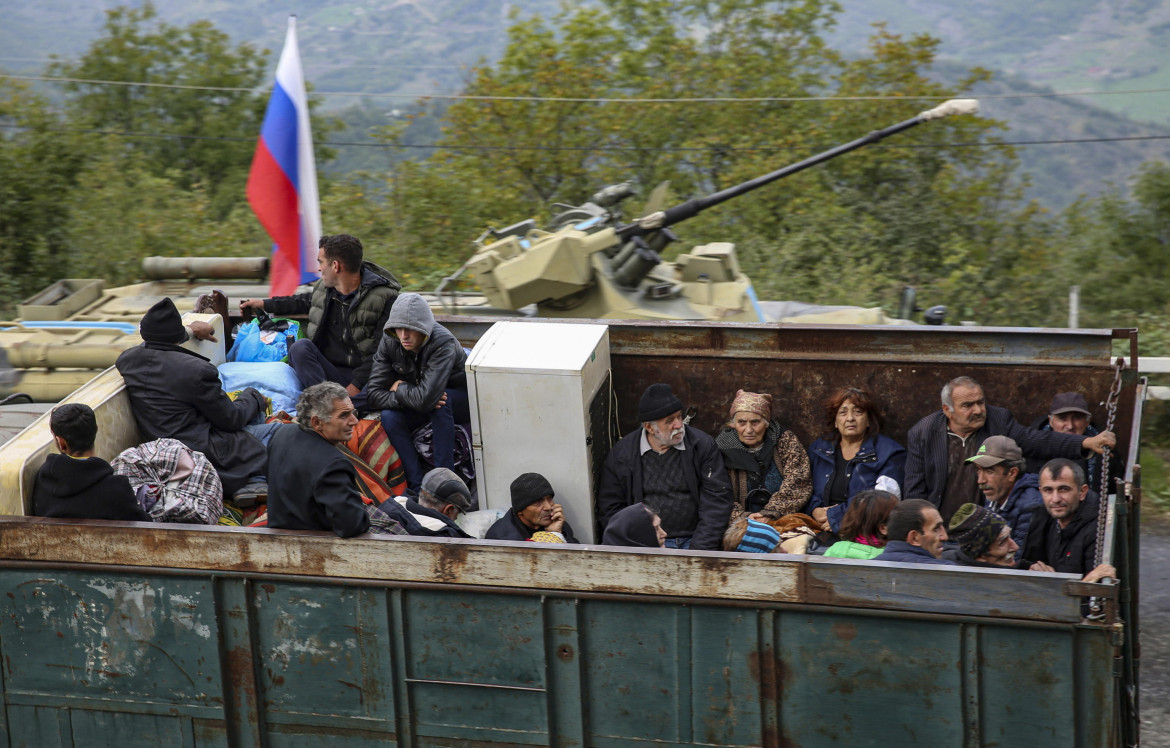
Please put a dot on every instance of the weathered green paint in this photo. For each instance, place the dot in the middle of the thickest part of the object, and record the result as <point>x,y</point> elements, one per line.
<point>159,659</point>
<point>117,634</point>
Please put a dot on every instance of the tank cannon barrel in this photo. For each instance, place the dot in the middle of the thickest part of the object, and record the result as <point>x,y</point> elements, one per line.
<point>663,219</point>
<point>211,268</point>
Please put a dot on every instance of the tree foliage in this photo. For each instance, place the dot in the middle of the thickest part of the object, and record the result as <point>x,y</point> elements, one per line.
<point>154,57</point>
<point>937,207</point>
<point>38,165</point>
<point>852,231</point>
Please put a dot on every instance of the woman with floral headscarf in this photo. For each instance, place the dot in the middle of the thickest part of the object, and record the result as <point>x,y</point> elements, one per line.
<point>767,464</point>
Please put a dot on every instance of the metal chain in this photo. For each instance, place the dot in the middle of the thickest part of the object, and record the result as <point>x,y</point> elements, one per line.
<point>1106,455</point>
<point>1097,604</point>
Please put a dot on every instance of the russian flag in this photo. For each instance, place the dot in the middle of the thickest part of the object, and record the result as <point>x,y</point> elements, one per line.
<point>282,186</point>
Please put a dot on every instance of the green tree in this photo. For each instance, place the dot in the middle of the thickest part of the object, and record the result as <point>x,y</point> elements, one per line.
<point>121,213</point>
<point>1118,251</point>
<point>38,165</point>
<point>202,137</point>
<point>852,231</point>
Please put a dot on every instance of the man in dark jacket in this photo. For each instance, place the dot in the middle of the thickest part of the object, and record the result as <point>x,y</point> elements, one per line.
<point>1069,414</point>
<point>76,483</point>
<point>176,393</point>
<point>441,499</point>
<point>939,445</point>
<point>1007,491</point>
<point>916,535</point>
<point>673,468</point>
<point>417,378</point>
<point>1063,534</point>
<point>533,511</point>
<point>314,485</point>
<point>347,310</point>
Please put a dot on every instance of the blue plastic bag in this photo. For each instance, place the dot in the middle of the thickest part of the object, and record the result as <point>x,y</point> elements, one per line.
<point>256,345</point>
<point>274,380</point>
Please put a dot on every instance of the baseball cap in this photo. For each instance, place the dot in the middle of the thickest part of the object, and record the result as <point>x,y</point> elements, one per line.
<point>1068,402</point>
<point>997,449</point>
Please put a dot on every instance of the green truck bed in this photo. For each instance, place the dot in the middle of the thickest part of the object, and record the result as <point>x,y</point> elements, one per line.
<point>124,634</point>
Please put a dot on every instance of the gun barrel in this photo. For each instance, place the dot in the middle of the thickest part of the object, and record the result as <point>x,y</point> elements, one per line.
<point>691,208</point>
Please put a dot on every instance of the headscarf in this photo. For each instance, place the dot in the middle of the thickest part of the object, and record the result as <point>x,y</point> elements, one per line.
<point>632,527</point>
<point>752,402</point>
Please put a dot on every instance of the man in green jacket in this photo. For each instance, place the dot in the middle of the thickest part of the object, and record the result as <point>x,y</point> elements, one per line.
<point>347,310</point>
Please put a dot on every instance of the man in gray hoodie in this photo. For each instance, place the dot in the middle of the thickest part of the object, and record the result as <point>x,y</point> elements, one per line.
<point>418,378</point>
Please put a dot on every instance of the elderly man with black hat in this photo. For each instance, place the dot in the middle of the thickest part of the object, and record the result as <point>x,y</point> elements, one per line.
<point>534,515</point>
<point>672,467</point>
<point>176,393</point>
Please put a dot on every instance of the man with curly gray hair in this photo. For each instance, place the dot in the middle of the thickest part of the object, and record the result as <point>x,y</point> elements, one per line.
<point>312,485</point>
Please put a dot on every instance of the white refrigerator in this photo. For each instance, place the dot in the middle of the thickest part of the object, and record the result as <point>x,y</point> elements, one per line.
<point>541,402</point>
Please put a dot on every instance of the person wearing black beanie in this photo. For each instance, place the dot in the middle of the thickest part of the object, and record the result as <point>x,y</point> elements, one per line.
<point>534,515</point>
<point>175,393</point>
<point>672,466</point>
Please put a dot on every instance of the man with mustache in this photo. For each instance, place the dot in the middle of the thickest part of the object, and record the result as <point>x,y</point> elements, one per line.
<point>940,445</point>
<point>1008,491</point>
<point>673,468</point>
<point>534,515</point>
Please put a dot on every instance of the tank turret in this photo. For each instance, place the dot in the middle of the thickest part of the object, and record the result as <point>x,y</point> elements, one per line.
<point>588,262</point>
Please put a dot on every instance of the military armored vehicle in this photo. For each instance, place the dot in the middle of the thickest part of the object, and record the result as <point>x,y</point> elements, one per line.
<point>588,263</point>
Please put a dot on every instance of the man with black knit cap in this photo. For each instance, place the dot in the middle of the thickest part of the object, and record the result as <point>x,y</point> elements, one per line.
<point>534,515</point>
<point>675,469</point>
<point>984,538</point>
<point>175,393</point>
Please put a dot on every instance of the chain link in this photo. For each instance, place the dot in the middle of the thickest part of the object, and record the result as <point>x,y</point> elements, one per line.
<point>1106,459</point>
<point>1097,604</point>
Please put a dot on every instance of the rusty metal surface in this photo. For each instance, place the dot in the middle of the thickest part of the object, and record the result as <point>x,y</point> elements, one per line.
<point>246,637</point>
<point>903,368</point>
<point>204,660</point>
<point>587,569</point>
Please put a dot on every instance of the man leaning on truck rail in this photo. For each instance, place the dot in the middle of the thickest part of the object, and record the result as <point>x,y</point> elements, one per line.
<point>347,310</point>
<point>534,514</point>
<point>313,486</point>
<point>674,468</point>
<point>939,445</point>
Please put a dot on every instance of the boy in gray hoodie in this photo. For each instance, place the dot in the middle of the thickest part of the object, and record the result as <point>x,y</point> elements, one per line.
<point>418,377</point>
